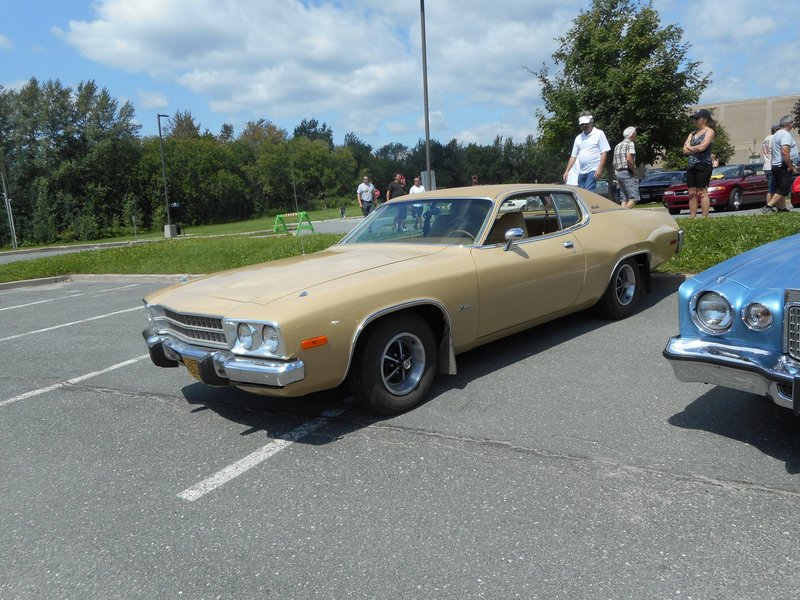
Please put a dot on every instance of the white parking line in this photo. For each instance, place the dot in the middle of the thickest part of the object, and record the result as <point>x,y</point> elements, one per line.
<point>72,381</point>
<point>111,314</point>
<point>254,458</point>
<point>124,287</point>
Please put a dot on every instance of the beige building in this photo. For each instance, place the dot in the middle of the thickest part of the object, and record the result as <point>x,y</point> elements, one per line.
<point>748,122</point>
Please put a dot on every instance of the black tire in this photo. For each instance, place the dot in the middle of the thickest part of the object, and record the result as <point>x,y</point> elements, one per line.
<point>674,211</point>
<point>375,383</point>
<point>735,199</point>
<point>624,290</point>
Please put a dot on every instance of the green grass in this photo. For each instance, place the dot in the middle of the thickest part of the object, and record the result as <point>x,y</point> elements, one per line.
<point>710,241</point>
<point>252,225</point>
<point>204,255</point>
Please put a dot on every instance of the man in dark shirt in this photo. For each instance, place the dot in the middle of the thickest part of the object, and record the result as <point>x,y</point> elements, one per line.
<point>393,191</point>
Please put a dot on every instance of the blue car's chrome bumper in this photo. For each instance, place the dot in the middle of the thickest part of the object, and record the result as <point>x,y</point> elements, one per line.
<point>742,368</point>
<point>220,367</point>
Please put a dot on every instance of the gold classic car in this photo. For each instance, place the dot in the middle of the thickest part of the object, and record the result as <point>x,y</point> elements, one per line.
<point>413,285</point>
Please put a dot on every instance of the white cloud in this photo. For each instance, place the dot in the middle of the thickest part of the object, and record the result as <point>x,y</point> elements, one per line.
<point>5,42</point>
<point>150,99</point>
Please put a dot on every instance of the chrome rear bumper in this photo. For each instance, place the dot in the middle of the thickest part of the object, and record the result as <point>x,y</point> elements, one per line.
<point>740,368</point>
<point>221,367</point>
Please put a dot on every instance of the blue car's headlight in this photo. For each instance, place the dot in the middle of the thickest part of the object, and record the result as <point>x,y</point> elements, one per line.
<point>757,316</point>
<point>712,313</point>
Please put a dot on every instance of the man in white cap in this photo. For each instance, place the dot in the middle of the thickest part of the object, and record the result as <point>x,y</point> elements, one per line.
<point>590,150</point>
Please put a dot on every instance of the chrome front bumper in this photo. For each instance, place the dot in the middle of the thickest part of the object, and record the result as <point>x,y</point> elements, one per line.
<point>740,368</point>
<point>221,367</point>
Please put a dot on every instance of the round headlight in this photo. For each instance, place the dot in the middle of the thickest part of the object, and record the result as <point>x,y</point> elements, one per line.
<point>757,316</point>
<point>271,340</point>
<point>246,334</point>
<point>714,313</point>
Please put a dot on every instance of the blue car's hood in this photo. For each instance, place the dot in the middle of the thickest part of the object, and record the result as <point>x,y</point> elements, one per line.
<point>773,266</point>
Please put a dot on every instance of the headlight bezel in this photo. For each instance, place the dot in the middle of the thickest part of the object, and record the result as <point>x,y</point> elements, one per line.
<point>261,347</point>
<point>703,324</point>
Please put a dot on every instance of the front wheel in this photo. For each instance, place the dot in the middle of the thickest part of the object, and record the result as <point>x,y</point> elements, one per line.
<point>394,368</point>
<point>735,199</point>
<point>674,211</point>
<point>622,295</point>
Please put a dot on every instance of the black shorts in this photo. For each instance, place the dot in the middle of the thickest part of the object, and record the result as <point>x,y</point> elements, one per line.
<point>698,176</point>
<point>783,180</point>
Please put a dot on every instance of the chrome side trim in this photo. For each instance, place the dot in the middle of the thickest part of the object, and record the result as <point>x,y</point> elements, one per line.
<point>393,309</point>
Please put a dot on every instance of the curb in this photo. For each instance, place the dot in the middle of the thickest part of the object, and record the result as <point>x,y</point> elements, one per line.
<point>106,278</point>
<point>667,280</point>
<point>10,285</point>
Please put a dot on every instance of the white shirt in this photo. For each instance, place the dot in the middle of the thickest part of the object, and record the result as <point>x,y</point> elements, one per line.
<point>416,189</point>
<point>766,153</point>
<point>572,176</point>
<point>780,139</point>
<point>365,191</point>
<point>588,147</point>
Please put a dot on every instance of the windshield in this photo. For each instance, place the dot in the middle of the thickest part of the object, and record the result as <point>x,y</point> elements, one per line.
<point>726,172</point>
<point>663,178</point>
<point>423,221</point>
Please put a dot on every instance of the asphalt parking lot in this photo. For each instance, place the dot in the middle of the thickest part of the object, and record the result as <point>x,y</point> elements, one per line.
<point>564,462</point>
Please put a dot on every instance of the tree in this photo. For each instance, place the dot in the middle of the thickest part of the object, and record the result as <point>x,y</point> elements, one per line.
<point>796,113</point>
<point>620,63</point>
<point>312,130</point>
<point>182,125</point>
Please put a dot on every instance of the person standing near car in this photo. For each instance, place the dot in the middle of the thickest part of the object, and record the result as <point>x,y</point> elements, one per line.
<point>393,191</point>
<point>784,159</point>
<point>365,195</point>
<point>590,150</point>
<point>766,153</point>
<point>416,207</point>
<point>625,169</point>
<point>698,173</point>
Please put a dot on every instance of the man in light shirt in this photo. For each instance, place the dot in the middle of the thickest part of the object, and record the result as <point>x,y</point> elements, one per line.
<point>590,150</point>
<point>416,207</point>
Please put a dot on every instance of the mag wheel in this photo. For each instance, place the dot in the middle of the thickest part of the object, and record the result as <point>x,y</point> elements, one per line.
<point>622,295</point>
<point>395,366</point>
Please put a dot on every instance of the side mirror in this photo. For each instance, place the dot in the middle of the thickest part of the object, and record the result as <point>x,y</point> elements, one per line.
<point>513,234</point>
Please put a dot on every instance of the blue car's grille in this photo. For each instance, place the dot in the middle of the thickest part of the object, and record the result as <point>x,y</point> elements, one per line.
<point>793,331</point>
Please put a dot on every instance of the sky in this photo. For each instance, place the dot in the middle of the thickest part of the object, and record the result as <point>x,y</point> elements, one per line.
<point>357,64</point>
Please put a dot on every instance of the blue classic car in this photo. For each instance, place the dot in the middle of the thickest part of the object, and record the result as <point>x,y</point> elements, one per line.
<point>740,324</point>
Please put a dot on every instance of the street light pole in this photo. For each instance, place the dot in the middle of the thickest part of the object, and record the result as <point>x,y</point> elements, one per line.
<point>7,200</point>
<point>164,168</point>
<point>425,95</point>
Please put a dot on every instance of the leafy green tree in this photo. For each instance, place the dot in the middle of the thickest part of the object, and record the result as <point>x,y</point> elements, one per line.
<point>619,62</point>
<point>312,130</point>
<point>183,125</point>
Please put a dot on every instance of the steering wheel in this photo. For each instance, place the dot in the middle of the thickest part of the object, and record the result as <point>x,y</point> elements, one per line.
<point>466,233</point>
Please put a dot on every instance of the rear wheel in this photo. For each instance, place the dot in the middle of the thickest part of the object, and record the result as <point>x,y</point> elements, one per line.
<point>623,292</point>
<point>394,368</point>
<point>735,199</point>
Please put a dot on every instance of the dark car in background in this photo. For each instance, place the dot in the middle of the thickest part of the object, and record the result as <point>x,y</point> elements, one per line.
<point>652,186</point>
<point>731,188</point>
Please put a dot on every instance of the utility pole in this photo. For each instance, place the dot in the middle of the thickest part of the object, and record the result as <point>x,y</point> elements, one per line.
<point>429,183</point>
<point>7,200</point>
<point>169,230</point>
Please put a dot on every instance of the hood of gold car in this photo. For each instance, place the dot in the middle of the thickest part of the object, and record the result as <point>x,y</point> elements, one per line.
<point>266,282</point>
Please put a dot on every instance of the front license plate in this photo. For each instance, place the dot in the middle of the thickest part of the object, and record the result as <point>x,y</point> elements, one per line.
<point>193,368</point>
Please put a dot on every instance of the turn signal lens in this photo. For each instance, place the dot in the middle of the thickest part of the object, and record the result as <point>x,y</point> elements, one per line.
<point>314,342</point>
<point>757,316</point>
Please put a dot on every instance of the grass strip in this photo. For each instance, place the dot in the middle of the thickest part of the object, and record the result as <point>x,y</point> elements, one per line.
<point>711,241</point>
<point>204,255</point>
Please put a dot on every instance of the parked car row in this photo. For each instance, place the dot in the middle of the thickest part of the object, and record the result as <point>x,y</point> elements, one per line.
<point>732,187</point>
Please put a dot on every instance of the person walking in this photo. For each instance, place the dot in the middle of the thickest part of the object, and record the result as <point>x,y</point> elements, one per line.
<point>394,190</point>
<point>416,207</point>
<point>784,159</point>
<point>589,149</point>
<point>766,153</point>
<point>625,168</point>
<point>698,173</point>
<point>365,195</point>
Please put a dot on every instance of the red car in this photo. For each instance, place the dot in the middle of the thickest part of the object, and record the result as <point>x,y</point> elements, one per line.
<point>731,188</point>
<point>795,197</point>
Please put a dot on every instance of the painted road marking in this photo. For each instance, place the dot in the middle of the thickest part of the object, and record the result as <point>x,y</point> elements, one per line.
<point>254,458</point>
<point>72,381</point>
<point>111,314</point>
<point>124,287</point>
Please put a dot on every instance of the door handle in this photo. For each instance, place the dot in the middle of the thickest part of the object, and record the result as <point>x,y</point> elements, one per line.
<point>568,244</point>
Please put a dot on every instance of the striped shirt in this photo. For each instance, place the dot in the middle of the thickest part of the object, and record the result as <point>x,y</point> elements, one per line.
<point>621,152</point>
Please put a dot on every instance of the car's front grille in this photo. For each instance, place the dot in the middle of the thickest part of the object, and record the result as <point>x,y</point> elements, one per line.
<point>205,329</point>
<point>792,325</point>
